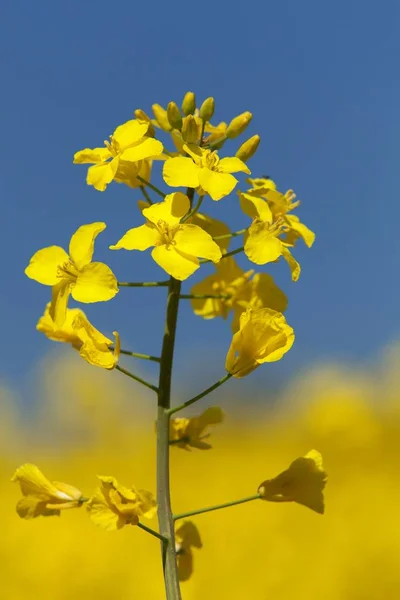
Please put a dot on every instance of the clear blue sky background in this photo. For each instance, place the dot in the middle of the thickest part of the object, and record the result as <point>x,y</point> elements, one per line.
<point>322,81</point>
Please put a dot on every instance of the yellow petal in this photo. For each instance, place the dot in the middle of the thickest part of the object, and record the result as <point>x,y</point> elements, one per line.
<point>261,246</point>
<point>138,238</point>
<point>128,171</point>
<point>148,504</point>
<point>302,230</point>
<point>129,133</point>
<point>102,514</point>
<point>59,301</point>
<point>213,226</point>
<point>95,283</point>
<point>193,240</point>
<point>91,156</point>
<point>255,207</point>
<point>171,210</point>
<point>81,245</point>
<point>147,148</point>
<point>294,266</point>
<point>208,308</point>
<point>99,176</point>
<point>217,185</point>
<point>63,334</point>
<point>181,171</point>
<point>265,293</point>
<point>232,165</point>
<point>30,508</point>
<point>33,482</point>
<point>43,266</point>
<point>177,264</point>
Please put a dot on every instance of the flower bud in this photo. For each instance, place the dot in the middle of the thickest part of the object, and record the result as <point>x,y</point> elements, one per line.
<point>207,109</point>
<point>174,116</point>
<point>161,117</point>
<point>142,116</point>
<point>189,103</point>
<point>238,124</point>
<point>191,129</point>
<point>247,149</point>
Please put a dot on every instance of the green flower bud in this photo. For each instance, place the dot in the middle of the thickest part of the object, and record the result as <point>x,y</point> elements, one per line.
<point>161,117</point>
<point>174,116</point>
<point>207,109</point>
<point>247,149</point>
<point>189,103</point>
<point>238,124</point>
<point>191,129</point>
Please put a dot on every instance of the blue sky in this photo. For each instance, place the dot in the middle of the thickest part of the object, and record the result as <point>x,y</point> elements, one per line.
<point>321,80</point>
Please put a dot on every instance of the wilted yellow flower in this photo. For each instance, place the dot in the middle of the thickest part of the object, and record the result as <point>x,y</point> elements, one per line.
<point>42,497</point>
<point>204,169</point>
<point>76,330</point>
<point>187,536</point>
<point>264,336</point>
<point>128,143</point>
<point>176,245</point>
<point>189,432</point>
<point>242,290</point>
<point>75,274</point>
<point>112,506</point>
<point>261,241</point>
<point>303,482</point>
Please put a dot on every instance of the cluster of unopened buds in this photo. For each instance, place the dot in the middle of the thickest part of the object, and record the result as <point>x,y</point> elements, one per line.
<point>182,238</point>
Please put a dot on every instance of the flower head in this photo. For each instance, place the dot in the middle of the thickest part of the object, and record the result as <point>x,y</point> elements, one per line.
<point>187,536</point>
<point>42,497</point>
<point>128,143</point>
<point>264,336</point>
<point>189,433</point>
<point>238,290</point>
<point>303,482</point>
<point>75,274</point>
<point>76,330</point>
<point>177,245</point>
<point>112,506</point>
<point>205,170</point>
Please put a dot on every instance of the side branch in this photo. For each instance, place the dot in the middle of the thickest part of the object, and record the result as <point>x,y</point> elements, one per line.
<point>231,253</point>
<point>143,283</point>
<point>138,379</point>
<point>216,385</point>
<point>199,511</point>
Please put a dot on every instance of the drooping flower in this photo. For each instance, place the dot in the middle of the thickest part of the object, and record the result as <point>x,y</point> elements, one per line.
<point>238,290</point>
<point>75,274</point>
<point>112,506</point>
<point>42,497</point>
<point>177,245</point>
<point>128,143</point>
<point>76,330</point>
<point>262,243</point>
<point>187,536</point>
<point>189,432</point>
<point>303,482</point>
<point>264,336</point>
<point>203,169</point>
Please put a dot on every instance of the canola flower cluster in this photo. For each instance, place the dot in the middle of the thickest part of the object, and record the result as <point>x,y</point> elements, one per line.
<point>181,238</point>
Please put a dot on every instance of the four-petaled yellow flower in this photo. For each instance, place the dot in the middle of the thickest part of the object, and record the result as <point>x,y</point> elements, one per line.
<point>77,330</point>
<point>128,143</point>
<point>303,482</point>
<point>238,289</point>
<point>75,274</point>
<point>264,336</point>
<point>187,536</point>
<point>112,506</point>
<point>41,496</point>
<point>261,241</point>
<point>189,433</point>
<point>177,245</point>
<point>205,170</point>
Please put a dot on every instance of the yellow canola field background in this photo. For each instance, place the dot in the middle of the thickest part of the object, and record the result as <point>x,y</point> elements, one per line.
<point>89,422</point>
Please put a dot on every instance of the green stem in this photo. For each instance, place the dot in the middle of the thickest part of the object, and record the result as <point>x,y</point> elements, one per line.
<point>136,378</point>
<point>230,235</point>
<point>143,283</point>
<point>231,253</point>
<point>166,524</point>
<point>145,194</point>
<point>190,513</point>
<point>152,532</point>
<point>193,211</point>
<point>139,355</point>
<point>203,296</point>
<point>199,396</point>
<point>151,186</point>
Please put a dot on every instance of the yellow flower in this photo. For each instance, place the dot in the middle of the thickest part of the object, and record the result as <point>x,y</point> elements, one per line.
<point>189,433</point>
<point>217,132</point>
<point>128,172</point>
<point>303,482</point>
<point>242,290</point>
<point>112,506</point>
<point>204,169</point>
<point>76,330</point>
<point>41,497</point>
<point>264,336</point>
<point>176,245</point>
<point>128,143</point>
<point>261,241</point>
<point>75,274</point>
<point>187,536</point>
